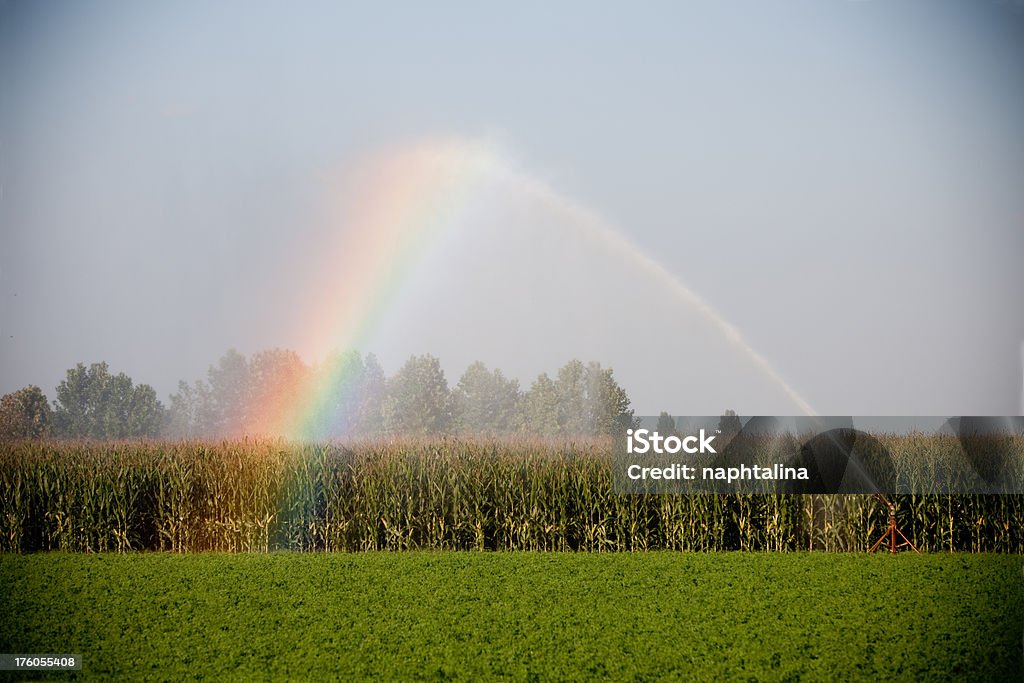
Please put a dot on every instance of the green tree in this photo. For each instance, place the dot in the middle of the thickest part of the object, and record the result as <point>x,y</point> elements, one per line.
<point>486,402</point>
<point>24,414</point>
<point>224,411</point>
<point>729,424</point>
<point>608,406</point>
<point>582,400</point>
<point>340,376</point>
<point>540,407</point>
<point>241,396</point>
<point>260,394</point>
<point>590,400</point>
<point>666,424</point>
<point>92,403</point>
<point>418,401</point>
<point>145,414</point>
<point>185,414</point>
<point>571,388</point>
<point>372,392</point>
<point>276,382</point>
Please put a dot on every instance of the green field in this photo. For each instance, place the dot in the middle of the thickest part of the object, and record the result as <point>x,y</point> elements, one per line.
<point>523,616</point>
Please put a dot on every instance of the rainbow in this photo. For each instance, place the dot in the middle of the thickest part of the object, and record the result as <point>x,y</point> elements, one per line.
<point>400,203</point>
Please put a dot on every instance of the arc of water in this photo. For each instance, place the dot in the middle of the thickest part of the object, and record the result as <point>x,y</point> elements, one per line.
<point>597,228</point>
<point>422,187</point>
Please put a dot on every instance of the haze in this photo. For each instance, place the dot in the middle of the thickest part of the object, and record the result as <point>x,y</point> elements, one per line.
<point>839,182</point>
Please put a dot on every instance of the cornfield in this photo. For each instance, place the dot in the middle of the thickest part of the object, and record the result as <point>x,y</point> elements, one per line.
<point>247,496</point>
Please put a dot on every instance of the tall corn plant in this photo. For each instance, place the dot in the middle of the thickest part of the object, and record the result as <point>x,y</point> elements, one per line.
<point>446,494</point>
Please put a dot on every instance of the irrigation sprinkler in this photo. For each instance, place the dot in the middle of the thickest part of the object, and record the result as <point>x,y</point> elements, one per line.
<point>889,536</point>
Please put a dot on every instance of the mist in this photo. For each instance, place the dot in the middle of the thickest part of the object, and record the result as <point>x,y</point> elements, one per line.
<point>767,209</point>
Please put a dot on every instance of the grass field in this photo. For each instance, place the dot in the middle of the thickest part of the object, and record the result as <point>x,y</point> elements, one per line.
<point>523,616</point>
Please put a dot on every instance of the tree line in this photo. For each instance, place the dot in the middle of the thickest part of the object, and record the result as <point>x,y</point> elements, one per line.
<point>243,396</point>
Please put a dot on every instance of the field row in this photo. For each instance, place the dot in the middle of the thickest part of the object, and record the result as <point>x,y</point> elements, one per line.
<point>446,494</point>
<point>519,616</point>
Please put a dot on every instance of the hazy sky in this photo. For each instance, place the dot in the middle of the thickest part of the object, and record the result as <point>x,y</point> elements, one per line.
<point>843,182</point>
